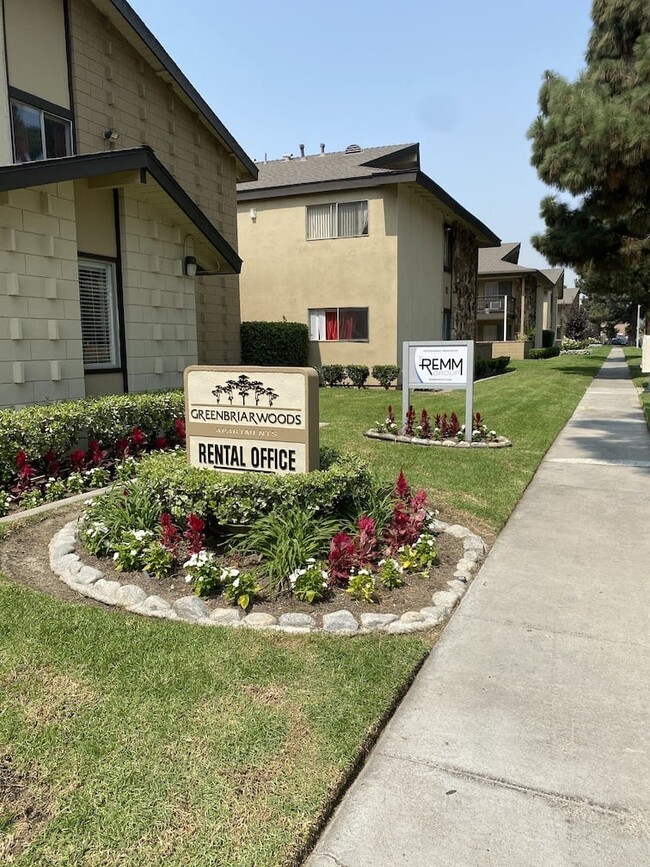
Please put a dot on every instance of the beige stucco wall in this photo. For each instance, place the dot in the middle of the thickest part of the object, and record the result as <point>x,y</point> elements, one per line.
<point>115,88</point>
<point>421,282</point>
<point>40,331</point>
<point>36,49</point>
<point>95,221</point>
<point>159,305</point>
<point>284,275</point>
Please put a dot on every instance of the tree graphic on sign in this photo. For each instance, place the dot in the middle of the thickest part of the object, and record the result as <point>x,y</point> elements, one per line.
<point>229,389</point>
<point>217,391</point>
<point>258,390</point>
<point>271,395</point>
<point>243,386</point>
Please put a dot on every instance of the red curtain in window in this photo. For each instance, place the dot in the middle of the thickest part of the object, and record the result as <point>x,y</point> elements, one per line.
<point>347,321</point>
<point>331,325</point>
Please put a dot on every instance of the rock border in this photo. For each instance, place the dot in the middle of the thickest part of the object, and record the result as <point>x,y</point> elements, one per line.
<point>499,443</point>
<point>88,581</point>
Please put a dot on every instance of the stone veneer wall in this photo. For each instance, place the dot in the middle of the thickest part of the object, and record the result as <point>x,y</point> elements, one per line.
<point>115,88</point>
<point>40,330</point>
<point>530,302</point>
<point>465,283</point>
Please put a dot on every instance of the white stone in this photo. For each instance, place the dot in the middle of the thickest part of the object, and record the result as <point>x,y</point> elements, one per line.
<point>260,621</point>
<point>297,620</point>
<point>370,620</point>
<point>471,556</point>
<point>444,599</point>
<point>435,614</point>
<point>439,526</point>
<point>88,575</point>
<point>401,628</point>
<point>474,543</point>
<point>191,608</point>
<point>465,566</point>
<point>412,617</point>
<point>457,587</point>
<point>68,563</point>
<point>225,616</point>
<point>458,532</point>
<point>340,622</point>
<point>104,591</point>
<point>295,630</point>
<point>130,594</point>
<point>58,549</point>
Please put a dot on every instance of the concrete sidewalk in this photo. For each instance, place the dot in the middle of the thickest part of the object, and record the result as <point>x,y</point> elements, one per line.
<point>525,739</point>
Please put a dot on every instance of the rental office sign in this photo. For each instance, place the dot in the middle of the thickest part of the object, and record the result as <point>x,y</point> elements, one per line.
<point>439,364</point>
<point>252,419</point>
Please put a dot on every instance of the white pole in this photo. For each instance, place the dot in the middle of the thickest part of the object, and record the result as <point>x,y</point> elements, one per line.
<point>505,317</point>
<point>638,325</point>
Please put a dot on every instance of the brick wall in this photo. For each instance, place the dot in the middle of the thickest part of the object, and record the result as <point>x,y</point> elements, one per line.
<point>40,331</point>
<point>115,88</point>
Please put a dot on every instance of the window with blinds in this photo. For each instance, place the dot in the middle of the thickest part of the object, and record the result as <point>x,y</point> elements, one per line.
<point>99,324</point>
<point>337,220</point>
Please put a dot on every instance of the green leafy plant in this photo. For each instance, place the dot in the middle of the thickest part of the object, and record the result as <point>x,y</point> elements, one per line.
<point>97,477</point>
<point>358,374</point>
<point>333,374</point>
<point>206,575</point>
<point>362,586</point>
<point>31,499</point>
<point>74,484</point>
<point>548,352</point>
<point>420,555</point>
<point>385,374</point>
<point>5,503</point>
<point>55,489</point>
<point>275,344</point>
<point>120,510</point>
<point>242,588</point>
<point>158,560</point>
<point>285,539</point>
<point>130,552</point>
<point>390,573</point>
<point>309,584</point>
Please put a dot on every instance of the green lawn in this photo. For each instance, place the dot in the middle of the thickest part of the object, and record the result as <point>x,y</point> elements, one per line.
<point>132,742</point>
<point>529,406</point>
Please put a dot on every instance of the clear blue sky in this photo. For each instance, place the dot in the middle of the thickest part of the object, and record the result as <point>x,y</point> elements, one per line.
<point>461,78</point>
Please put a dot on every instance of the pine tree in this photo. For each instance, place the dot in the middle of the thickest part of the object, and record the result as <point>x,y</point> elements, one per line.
<point>591,139</point>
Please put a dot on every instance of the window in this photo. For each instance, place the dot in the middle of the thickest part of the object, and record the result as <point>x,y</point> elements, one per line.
<point>338,220</point>
<point>448,247</point>
<point>39,135</point>
<point>99,320</point>
<point>494,289</point>
<point>339,323</point>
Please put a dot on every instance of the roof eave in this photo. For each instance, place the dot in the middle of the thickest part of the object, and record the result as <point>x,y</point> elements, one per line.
<point>489,238</point>
<point>333,184</point>
<point>72,168</point>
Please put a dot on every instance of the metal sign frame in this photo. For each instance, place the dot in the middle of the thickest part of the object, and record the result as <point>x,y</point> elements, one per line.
<point>409,381</point>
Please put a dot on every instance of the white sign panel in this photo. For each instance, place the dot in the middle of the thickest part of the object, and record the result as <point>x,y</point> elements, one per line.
<point>439,364</point>
<point>252,420</point>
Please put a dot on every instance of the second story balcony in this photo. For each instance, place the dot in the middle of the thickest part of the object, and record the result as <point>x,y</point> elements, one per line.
<point>488,306</point>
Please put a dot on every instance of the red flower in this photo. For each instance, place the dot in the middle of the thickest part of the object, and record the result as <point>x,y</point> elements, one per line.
<point>78,459</point>
<point>122,447</point>
<point>52,463</point>
<point>194,533</point>
<point>169,536</point>
<point>179,429</point>
<point>96,453</point>
<point>138,438</point>
<point>342,558</point>
<point>161,443</point>
<point>402,487</point>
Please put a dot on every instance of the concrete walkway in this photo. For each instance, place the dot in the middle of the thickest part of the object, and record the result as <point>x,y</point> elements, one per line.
<point>525,739</point>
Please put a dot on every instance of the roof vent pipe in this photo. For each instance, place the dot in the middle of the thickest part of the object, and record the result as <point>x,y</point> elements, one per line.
<point>322,148</point>
<point>302,151</point>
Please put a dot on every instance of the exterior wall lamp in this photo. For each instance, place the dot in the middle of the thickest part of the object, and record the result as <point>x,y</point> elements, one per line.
<point>189,264</point>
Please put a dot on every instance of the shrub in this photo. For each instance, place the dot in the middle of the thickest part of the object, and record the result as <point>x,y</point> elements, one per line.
<point>577,322</point>
<point>46,433</point>
<point>333,374</point>
<point>385,374</point>
<point>484,367</point>
<point>358,374</point>
<point>227,499</point>
<point>548,352</point>
<point>274,344</point>
<point>568,344</point>
<point>548,338</point>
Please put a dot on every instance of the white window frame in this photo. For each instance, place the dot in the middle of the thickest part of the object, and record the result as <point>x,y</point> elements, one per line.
<point>108,268</point>
<point>43,114</point>
<point>314,311</point>
<point>334,220</point>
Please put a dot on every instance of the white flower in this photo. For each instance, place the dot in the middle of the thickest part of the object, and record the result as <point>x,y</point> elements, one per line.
<point>188,579</point>
<point>311,559</point>
<point>116,556</point>
<point>235,583</point>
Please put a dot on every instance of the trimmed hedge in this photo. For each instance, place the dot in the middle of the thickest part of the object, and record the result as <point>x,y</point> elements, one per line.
<point>332,374</point>
<point>385,374</point>
<point>358,374</point>
<point>484,367</point>
<point>61,426</point>
<point>225,499</point>
<point>548,338</point>
<point>547,352</point>
<point>274,344</point>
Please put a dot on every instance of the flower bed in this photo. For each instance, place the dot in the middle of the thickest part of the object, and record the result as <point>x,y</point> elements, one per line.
<point>444,431</point>
<point>362,546</point>
<point>54,451</point>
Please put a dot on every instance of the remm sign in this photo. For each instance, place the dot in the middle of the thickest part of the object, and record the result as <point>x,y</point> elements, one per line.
<point>252,420</point>
<point>439,364</point>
